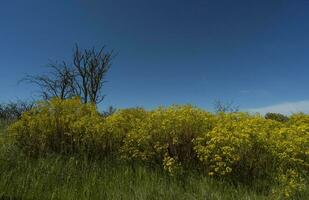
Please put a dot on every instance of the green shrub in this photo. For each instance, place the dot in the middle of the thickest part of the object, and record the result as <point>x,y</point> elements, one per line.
<point>277,117</point>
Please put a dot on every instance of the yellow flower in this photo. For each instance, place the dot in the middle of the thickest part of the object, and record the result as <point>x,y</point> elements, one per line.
<point>211,173</point>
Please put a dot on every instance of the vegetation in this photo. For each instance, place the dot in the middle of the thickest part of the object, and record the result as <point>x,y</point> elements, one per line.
<point>60,177</point>
<point>277,117</point>
<point>12,111</point>
<point>225,107</point>
<point>69,142</point>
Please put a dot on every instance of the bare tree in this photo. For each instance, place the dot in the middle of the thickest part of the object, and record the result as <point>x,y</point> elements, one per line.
<point>84,78</point>
<point>225,106</point>
<point>110,110</point>
<point>13,110</point>
<point>57,83</point>
<point>91,67</point>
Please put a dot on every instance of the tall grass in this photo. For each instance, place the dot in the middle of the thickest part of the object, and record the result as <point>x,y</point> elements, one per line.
<point>60,177</point>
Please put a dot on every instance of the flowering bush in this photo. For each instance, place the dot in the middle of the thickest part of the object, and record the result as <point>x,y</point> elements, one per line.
<point>118,125</point>
<point>240,146</point>
<point>247,147</point>
<point>291,185</point>
<point>165,136</point>
<point>63,126</point>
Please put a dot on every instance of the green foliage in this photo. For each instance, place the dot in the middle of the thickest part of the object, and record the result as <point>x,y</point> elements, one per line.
<point>67,178</point>
<point>12,111</point>
<point>233,146</point>
<point>277,117</point>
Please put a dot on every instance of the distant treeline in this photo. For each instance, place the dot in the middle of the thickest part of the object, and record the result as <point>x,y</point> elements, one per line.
<point>12,111</point>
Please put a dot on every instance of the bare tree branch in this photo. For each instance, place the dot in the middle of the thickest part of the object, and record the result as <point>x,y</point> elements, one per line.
<point>58,83</point>
<point>84,78</point>
<point>92,67</point>
<point>225,107</point>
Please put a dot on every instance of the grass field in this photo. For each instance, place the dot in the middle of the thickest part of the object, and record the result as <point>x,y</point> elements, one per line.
<point>56,177</point>
<point>59,177</point>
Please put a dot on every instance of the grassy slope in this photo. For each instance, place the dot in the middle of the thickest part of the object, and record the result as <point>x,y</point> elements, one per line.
<point>66,178</point>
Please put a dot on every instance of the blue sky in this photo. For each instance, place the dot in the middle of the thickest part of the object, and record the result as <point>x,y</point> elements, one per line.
<point>254,53</point>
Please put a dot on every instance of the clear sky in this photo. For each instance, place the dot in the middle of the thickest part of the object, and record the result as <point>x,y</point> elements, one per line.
<point>255,53</point>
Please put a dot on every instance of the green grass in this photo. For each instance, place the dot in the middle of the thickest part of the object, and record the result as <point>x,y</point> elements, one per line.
<point>56,177</point>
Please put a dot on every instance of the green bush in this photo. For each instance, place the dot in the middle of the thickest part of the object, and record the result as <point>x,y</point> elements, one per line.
<point>277,117</point>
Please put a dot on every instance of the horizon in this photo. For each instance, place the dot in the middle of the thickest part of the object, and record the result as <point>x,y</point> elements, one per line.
<point>169,52</point>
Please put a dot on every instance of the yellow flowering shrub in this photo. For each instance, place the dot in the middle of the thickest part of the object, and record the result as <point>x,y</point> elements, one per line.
<point>249,148</point>
<point>238,145</point>
<point>290,185</point>
<point>292,146</point>
<point>64,126</point>
<point>165,136</point>
<point>300,124</point>
<point>118,125</point>
<point>172,165</point>
<point>299,119</point>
